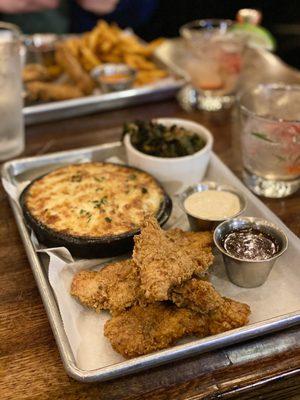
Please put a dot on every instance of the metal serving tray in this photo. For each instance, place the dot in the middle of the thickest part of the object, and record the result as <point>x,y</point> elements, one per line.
<point>90,104</point>
<point>56,110</point>
<point>286,271</point>
<point>260,66</point>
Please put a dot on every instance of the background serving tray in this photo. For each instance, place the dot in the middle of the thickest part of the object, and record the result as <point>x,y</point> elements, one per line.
<point>275,305</point>
<point>58,110</point>
<point>260,66</point>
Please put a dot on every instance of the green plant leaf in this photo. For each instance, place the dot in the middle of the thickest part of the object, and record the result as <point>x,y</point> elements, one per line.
<point>262,136</point>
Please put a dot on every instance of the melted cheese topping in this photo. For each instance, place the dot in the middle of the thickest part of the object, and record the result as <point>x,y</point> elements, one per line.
<point>93,199</point>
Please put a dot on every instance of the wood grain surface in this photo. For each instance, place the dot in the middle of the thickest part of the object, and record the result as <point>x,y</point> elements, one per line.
<point>30,366</point>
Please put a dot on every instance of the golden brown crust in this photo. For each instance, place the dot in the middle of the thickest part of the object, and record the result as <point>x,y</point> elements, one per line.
<point>197,244</point>
<point>161,269</point>
<point>112,288</point>
<point>35,72</point>
<point>230,315</point>
<point>46,91</point>
<point>198,295</point>
<point>72,67</point>
<point>142,330</point>
<point>163,261</point>
<point>93,199</point>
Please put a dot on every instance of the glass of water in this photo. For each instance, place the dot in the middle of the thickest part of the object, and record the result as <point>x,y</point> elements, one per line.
<point>270,116</point>
<point>11,103</point>
<point>213,62</point>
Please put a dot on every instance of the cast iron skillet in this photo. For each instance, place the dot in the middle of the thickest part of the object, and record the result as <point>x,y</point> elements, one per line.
<point>88,246</point>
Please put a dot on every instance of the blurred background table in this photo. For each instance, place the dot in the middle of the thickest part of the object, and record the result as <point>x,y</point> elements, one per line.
<point>267,368</point>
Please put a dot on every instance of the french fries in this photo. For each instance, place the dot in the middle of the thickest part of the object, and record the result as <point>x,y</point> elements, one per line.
<point>76,56</point>
<point>110,44</point>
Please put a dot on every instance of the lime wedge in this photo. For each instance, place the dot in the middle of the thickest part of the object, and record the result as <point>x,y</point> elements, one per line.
<point>257,35</point>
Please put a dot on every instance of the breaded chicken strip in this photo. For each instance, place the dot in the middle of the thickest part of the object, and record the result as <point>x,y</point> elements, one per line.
<point>73,69</point>
<point>230,315</point>
<point>142,330</point>
<point>162,264</point>
<point>47,91</point>
<point>35,72</point>
<point>197,295</point>
<point>86,287</point>
<point>114,288</point>
<point>197,244</point>
<point>117,287</point>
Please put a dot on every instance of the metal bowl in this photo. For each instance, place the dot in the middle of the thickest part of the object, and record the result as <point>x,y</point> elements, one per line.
<point>103,75</point>
<point>249,273</point>
<point>40,48</point>
<point>200,224</point>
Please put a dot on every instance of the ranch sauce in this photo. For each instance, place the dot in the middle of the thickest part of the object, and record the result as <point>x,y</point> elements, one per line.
<point>212,205</point>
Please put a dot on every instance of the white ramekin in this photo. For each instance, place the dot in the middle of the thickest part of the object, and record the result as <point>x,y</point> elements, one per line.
<point>175,174</point>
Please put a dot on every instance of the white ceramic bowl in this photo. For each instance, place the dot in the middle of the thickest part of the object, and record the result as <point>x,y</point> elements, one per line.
<point>175,174</point>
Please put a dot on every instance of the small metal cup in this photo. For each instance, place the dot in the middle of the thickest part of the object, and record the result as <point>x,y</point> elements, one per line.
<point>249,273</point>
<point>102,72</point>
<point>199,224</point>
<point>40,48</point>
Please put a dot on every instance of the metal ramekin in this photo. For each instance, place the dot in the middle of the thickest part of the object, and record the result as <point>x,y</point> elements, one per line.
<point>40,48</point>
<point>249,273</point>
<point>200,224</point>
<point>105,70</point>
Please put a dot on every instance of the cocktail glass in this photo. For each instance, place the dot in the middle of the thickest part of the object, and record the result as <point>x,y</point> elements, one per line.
<point>213,62</point>
<point>270,115</point>
<point>12,127</point>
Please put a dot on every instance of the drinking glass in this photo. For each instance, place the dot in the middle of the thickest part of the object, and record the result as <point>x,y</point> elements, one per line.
<point>213,62</point>
<point>11,127</point>
<point>270,116</point>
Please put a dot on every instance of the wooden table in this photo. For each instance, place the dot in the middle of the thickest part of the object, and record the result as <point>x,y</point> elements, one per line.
<point>30,364</point>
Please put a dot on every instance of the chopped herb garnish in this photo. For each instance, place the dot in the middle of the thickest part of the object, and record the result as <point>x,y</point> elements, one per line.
<point>132,177</point>
<point>144,190</point>
<point>107,219</point>
<point>76,178</point>
<point>262,136</point>
<point>101,179</point>
<point>100,203</point>
<point>85,213</point>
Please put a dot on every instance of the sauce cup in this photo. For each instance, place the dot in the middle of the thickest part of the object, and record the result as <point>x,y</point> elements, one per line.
<point>205,224</point>
<point>114,77</point>
<point>244,272</point>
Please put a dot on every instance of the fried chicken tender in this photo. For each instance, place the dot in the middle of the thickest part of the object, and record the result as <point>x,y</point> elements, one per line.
<point>114,288</point>
<point>117,287</point>
<point>142,330</point>
<point>161,263</point>
<point>230,315</point>
<point>197,295</point>
<point>35,72</point>
<point>73,69</point>
<point>47,91</point>
<point>197,244</point>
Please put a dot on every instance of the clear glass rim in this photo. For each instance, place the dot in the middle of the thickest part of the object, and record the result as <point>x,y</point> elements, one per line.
<point>11,27</point>
<point>272,86</point>
<point>202,22</point>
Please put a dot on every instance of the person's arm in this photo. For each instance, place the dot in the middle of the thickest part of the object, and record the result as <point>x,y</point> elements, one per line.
<point>99,7</point>
<point>23,6</point>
